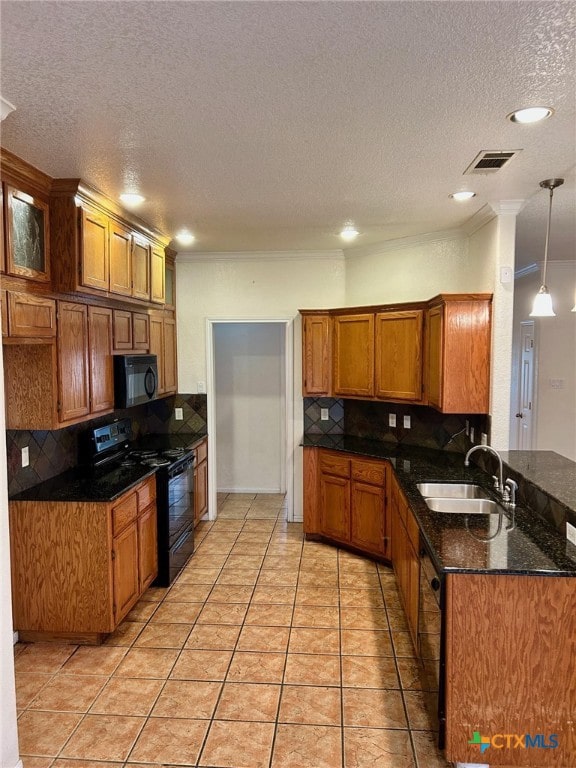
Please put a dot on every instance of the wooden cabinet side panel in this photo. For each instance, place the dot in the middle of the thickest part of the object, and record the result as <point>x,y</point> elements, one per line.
<point>353,355</point>
<point>467,356</point>
<point>65,243</point>
<point>158,276</point>
<point>60,559</point>
<point>316,355</point>
<point>434,356</point>
<point>101,369</point>
<point>73,367</point>
<point>311,501</point>
<point>399,346</point>
<point>200,490</point>
<point>157,346</point>
<point>30,386</point>
<point>511,665</point>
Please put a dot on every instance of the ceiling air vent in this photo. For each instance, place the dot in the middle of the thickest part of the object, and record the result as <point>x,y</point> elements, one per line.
<point>490,161</point>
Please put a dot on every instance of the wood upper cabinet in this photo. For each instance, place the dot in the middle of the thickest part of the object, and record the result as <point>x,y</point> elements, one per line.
<point>100,351</point>
<point>73,361</point>
<point>316,357</point>
<point>30,316</point>
<point>353,355</point>
<point>140,331</point>
<point>200,480</point>
<point>163,345</point>
<point>95,265</point>
<point>157,275</point>
<point>170,281</point>
<point>131,331</point>
<point>140,268</point>
<point>399,354</point>
<point>458,355</point>
<point>27,235</point>
<point>120,239</point>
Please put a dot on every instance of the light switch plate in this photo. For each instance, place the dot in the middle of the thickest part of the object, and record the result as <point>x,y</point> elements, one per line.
<point>324,414</point>
<point>391,419</point>
<point>26,457</point>
<point>178,414</point>
<point>571,533</point>
<point>407,422</point>
<point>201,387</point>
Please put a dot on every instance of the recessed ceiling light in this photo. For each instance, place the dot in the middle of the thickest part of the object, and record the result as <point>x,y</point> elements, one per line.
<point>349,232</point>
<point>461,196</point>
<point>530,114</point>
<point>185,237</point>
<point>132,198</point>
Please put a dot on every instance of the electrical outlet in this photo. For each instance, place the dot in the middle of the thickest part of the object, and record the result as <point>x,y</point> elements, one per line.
<point>26,457</point>
<point>407,422</point>
<point>392,420</point>
<point>571,533</point>
<point>201,387</point>
<point>471,434</point>
<point>324,414</point>
<point>483,438</point>
<point>178,414</point>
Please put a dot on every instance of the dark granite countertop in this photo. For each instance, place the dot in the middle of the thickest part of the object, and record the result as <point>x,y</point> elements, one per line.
<point>518,542</point>
<point>552,473</point>
<point>84,484</point>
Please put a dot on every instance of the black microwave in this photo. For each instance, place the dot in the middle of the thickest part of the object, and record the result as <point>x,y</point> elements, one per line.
<point>135,380</point>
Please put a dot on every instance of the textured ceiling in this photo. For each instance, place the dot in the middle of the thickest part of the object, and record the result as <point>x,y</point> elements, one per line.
<point>267,125</point>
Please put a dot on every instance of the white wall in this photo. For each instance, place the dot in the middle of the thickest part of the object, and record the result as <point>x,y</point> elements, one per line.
<point>555,359</point>
<point>250,406</point>
<point>8,731</point>
<point>245,286</point>
<point>414,269</point>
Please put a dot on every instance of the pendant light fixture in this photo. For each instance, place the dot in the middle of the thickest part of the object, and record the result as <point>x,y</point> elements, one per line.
<point>542,306</point>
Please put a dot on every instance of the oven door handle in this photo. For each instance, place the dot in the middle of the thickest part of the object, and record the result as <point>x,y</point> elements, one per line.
<point>172,473</point>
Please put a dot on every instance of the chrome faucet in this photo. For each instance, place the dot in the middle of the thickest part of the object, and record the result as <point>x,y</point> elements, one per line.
<point>499,481</point>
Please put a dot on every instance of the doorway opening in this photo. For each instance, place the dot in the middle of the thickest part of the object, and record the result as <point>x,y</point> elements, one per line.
<point>250,405</point>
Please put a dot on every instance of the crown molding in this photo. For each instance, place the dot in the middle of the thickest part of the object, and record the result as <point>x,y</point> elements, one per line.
<point>190,257</point>
<point>405,242</point>
<point>478,220</point>
<point>507,207</point>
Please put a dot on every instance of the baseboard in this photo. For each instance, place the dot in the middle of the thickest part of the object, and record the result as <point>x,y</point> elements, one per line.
<point>249,490</point>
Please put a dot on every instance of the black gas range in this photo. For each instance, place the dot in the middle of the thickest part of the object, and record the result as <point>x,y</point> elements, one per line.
<point>112,447</point>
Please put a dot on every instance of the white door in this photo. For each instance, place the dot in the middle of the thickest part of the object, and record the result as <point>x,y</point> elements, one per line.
<point>526,409</point>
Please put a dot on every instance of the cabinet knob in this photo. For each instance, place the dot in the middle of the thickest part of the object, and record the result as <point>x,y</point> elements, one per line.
<point>435,584</point>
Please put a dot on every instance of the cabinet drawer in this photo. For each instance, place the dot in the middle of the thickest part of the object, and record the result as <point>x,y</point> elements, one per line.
<point>147,493</point>
<point>333,464</point>
<point>31,316</point>
<point>201,452</point>
<point>373,472</point>
<point>124,513</point>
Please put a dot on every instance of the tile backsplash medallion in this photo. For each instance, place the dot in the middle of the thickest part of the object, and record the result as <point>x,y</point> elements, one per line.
<point>54,452</point>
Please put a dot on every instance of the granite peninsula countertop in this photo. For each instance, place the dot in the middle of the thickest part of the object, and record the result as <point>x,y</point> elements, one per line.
<point>86,484</point>
<point>518,542</point>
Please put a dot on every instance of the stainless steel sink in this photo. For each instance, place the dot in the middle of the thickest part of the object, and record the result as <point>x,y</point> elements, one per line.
<point>452,491</point>
<point>464,506</point>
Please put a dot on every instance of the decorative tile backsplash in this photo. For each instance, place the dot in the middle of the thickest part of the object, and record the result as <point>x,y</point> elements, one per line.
<point>54,452</point>
<point>314,425</point>
<point>428,427</point>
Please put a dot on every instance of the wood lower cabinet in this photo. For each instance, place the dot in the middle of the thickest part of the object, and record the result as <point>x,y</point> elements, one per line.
<point>316,355</point>
<point>458,355</point>
<point>79,567</point>
<point>405,556</point>
<point>200,480</point>
<point>353,355</point>
<point>510,669</point>
<point>345,500</point>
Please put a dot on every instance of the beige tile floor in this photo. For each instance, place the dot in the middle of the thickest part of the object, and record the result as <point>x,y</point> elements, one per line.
<point>267,652</point>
